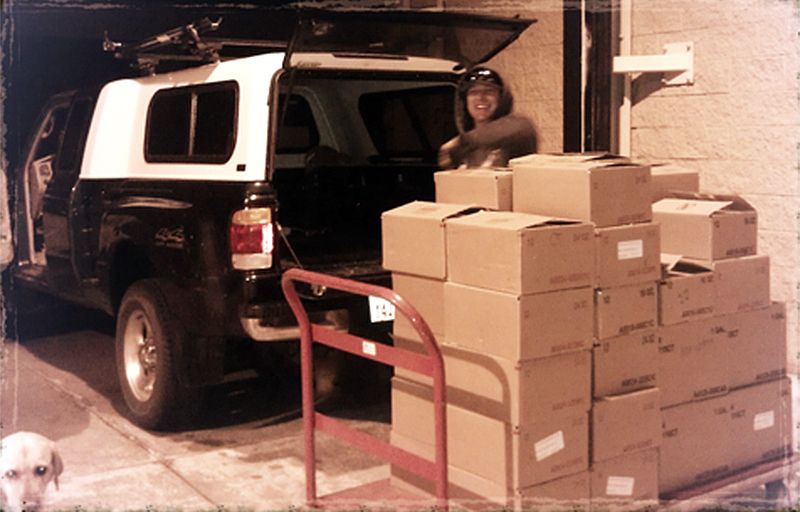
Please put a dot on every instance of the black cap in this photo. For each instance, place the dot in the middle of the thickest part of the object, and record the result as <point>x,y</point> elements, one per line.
<point>480,75</point>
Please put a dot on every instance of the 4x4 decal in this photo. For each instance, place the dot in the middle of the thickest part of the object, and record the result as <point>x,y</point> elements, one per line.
<point>172,238</point>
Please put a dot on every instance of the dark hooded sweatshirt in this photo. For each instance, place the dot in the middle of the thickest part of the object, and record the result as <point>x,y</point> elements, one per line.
<point>506,136</point>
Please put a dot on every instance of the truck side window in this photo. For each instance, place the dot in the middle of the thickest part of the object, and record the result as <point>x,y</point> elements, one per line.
<point>71,154</point>
<point>192,124</point>
<point>45,147</point>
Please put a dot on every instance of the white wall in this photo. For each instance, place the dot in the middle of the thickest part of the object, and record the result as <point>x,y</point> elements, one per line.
<point>739,124</point>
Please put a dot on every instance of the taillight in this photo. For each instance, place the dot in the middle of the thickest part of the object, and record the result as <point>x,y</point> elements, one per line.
<point>252,238</point>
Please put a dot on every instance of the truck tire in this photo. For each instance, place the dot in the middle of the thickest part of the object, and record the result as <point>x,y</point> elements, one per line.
<point>148,341</point>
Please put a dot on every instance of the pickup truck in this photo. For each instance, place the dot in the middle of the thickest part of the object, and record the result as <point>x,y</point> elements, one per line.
<point>173,201</point>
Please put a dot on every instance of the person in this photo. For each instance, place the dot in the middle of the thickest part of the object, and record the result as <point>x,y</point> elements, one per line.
<point>489,133</point>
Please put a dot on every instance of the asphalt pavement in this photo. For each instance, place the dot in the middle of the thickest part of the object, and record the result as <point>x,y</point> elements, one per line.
<point>245,454</point>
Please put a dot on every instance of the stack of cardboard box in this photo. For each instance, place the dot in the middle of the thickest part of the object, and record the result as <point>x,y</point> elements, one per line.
<point>583,360</point>
<point>511,304</point>
<point>615,195</point>
<point>722,343</point>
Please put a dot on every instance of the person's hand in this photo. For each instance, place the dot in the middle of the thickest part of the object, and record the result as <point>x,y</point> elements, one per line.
<point>493,159</point>
<point>445,159</point>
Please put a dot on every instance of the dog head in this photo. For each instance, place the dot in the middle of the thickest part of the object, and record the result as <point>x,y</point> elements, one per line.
<point>28,463</point>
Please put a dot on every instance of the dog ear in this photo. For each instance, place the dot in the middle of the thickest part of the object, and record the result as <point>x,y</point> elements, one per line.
<point>58,465</point>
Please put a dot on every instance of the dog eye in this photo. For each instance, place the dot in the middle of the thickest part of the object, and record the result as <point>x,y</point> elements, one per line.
<point>11,474</point>
<point>40,470</point>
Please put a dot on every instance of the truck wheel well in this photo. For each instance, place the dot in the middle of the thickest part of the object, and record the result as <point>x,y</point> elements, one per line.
<point>130,264</point>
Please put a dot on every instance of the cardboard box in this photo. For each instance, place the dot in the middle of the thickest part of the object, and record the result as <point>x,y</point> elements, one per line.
<point>427,296</point>
<point>519,253</point>
<point>627,479</point>
<point>476,493</point>
<point>483,187</point>
<point>687,291</point>
<point>693,362</point>
<point>742,284</point>
<point>627,255</point>
<point>518,327</point>
<point>755,344</point>
<point>514,392</point>
<point>511,456</point>
<point>625,310</point>
<point>761,419</point>
<point>669,178</point>
<point>413,237</point>
<point>694,445</point>
<point>625,364</point>
<point>707,227</point>
<point>605,190</point>
<point>623,424</point>
<point>708,440</point>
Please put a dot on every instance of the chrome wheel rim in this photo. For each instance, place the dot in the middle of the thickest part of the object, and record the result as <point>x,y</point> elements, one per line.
<point>140,356</point>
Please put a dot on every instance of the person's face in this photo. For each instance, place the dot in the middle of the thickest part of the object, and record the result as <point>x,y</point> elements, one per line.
<point>482,102</point>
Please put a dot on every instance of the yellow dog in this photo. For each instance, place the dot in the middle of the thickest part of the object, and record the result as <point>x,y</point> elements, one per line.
<point>28,463</point>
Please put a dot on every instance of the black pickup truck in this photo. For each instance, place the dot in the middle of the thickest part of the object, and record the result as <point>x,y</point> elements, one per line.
<point>175,200</point>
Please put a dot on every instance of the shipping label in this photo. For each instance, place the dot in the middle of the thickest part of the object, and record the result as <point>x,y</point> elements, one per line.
<point>764,420</point>
<point>620,486</point>
<point>630,249</point>
<point>549,445</point>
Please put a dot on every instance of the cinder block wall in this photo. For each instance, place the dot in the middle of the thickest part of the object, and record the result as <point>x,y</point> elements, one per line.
<point>739,124</point>
<point>532,64</point>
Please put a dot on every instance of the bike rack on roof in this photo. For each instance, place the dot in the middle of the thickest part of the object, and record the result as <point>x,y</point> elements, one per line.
<point>187,43</point>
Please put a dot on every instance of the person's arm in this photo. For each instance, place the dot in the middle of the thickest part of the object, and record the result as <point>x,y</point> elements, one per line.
<point>512,133</point>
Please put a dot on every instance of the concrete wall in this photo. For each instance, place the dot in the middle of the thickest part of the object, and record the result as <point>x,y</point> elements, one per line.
<point>739,124</point>
<point>532,64</point>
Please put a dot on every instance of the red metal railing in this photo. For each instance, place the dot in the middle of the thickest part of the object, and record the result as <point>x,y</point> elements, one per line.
<point>430,364</point>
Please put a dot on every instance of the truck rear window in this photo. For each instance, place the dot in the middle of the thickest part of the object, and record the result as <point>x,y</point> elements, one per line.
<point>192,124</point>
<point>298,130</point>
<point>409,123</point>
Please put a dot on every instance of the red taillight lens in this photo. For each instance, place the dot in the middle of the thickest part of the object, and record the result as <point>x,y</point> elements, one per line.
<point>252,238</point>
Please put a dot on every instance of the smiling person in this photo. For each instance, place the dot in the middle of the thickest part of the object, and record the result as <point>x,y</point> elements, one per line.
<point>490,134</point>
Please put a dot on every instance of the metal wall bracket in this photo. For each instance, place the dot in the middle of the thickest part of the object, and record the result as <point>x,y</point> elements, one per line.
<point>677,64</point>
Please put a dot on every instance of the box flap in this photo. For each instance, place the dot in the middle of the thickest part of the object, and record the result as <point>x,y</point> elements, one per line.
<point>668,261</point>
<point>677,264</point>
<point>685,266</point>
<point>498,172</point>
<point>690,206</point>
<point>538,158</point>
<point>428,210</point>
<point>736,203</point>
<point>513,221</point>
<point>579,163</point>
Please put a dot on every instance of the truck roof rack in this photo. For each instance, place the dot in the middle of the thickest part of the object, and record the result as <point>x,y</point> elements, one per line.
<point>183,44</point>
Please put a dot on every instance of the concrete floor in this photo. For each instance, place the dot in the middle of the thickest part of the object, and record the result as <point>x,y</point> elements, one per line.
<point>247,453</point>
